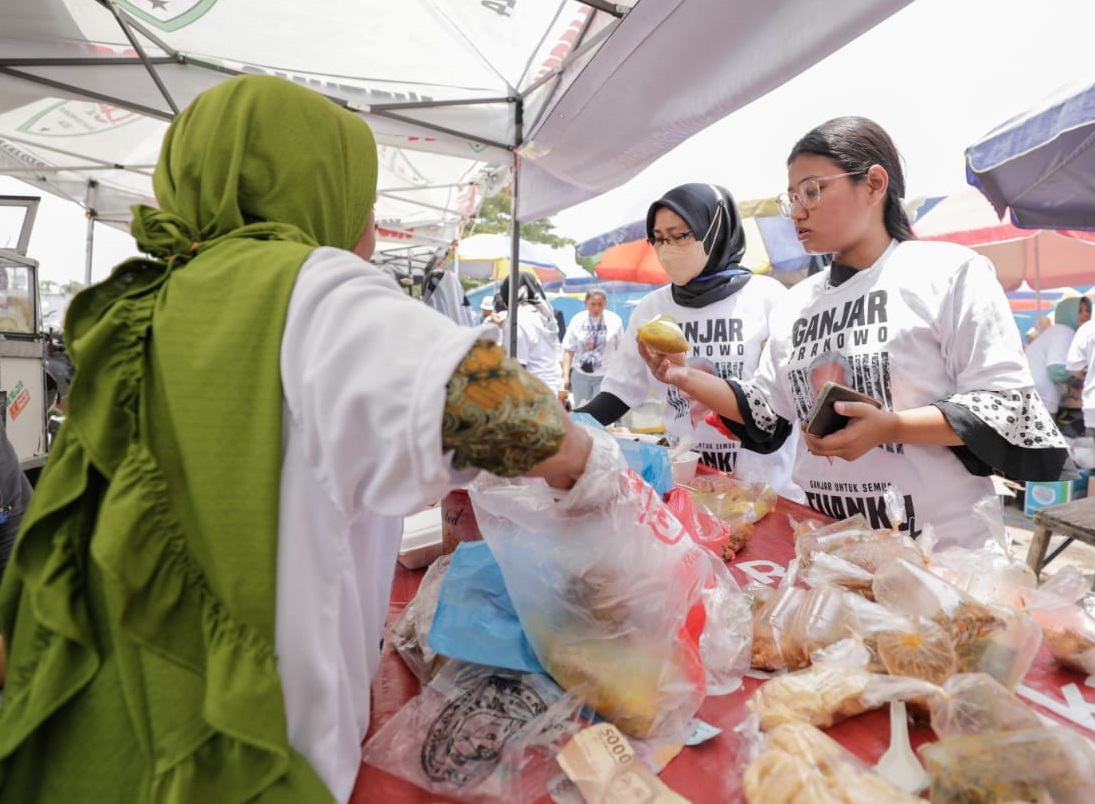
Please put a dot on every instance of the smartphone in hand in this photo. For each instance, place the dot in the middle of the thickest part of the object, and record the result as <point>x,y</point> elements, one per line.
<point>824,420</point>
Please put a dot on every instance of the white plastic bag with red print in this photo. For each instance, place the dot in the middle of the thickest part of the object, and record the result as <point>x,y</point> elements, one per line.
<point>614,596</point>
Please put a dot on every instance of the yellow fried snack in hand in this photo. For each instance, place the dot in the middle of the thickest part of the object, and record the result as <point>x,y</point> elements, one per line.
<point>663,334</point>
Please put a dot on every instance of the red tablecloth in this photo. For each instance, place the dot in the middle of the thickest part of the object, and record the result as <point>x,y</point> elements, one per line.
<point>711,772</point>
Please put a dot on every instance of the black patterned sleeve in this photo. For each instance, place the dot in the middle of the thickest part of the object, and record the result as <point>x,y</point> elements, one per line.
<point>1006,432</point>
<point>763,431</point>
<point>498,417</point>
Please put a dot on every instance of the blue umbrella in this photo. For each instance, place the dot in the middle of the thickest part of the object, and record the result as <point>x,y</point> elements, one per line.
<point>1041,164</point>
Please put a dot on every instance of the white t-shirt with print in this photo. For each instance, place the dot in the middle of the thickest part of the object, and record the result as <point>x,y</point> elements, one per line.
<point>927,320</point>
<point>1048,349</point>
<point>1081,357</point>
<point>726,339</point>
<point>593,339</point>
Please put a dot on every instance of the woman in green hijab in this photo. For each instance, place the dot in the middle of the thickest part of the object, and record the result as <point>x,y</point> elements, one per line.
<point>194,606</point>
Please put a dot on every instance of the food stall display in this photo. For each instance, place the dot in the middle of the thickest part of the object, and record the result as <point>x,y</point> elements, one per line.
<point>841,619</point>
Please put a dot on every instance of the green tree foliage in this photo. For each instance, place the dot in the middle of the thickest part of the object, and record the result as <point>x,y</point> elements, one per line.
<point>496,217</point>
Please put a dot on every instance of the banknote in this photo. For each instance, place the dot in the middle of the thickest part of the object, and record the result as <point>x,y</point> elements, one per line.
<point>601,763</point>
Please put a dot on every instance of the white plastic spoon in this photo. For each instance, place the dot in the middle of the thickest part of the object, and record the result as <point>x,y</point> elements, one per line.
<point>899,765</point>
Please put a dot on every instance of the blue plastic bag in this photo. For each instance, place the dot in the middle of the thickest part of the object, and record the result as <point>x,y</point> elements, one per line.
<point>648,461</point>
<point>475,619</point>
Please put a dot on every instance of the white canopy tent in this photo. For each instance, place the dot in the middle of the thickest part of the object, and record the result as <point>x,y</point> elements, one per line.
<point>577,96</point>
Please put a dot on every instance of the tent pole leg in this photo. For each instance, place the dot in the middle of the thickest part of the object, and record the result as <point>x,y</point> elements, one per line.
<point>89,206</point>
<point>515,227</point>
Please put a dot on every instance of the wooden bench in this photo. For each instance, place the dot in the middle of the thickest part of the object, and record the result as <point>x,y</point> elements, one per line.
<point>1074,520</point>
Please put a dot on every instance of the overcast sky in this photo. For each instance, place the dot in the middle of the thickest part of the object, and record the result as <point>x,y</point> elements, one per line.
<point>938,75</point>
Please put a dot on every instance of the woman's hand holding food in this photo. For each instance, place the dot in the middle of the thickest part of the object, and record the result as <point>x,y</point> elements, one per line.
<point>667,368</point>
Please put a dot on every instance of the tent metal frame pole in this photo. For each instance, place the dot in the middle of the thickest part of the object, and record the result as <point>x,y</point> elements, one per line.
<point>81,92</point>
<point>433,127</point>
<point>89,205</point>
<point>615,9</point>
<point>155,76</point>
<point>515,227</point>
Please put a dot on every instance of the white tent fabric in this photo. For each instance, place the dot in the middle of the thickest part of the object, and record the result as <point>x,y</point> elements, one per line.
<point>488,255</point>
<point>588,93</point>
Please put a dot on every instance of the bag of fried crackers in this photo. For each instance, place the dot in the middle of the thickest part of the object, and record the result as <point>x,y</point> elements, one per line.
<point>831,689</point>
<point>1067,627</point>
<point>796,762</point>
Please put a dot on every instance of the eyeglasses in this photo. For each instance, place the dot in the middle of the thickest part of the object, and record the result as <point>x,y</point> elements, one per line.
<point>678,237</point>
<point>809,193</point>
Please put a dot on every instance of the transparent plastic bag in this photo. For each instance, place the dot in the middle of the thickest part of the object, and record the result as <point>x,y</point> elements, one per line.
<point>976,703</point>
<point>811,537</point>
<point>1049,764</point>
<point>1067,627</point>
<point>830,690</point>
<point>614,595</point>
<point>475,732</point>
<point>986,638</point>
<point>705,528</point>
<point>799,763</point>
<point>988,574</point>
<point>738,503</point>
<point>822,569</point>
<point>410,632</point>
<point>923,650</point>
<point>1006,653</point>
<point>821,619</point>
<point>852,540</point>
<point>1069,633</point>
<point>772,620</point>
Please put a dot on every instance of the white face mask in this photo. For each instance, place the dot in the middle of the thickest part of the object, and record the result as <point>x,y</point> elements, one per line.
<point>682,263</point>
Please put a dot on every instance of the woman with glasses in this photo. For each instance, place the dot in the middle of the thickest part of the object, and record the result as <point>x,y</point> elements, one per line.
<point>922,327</point>
<point>723,308</point>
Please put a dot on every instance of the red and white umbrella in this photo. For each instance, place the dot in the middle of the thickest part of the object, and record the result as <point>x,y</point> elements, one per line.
<point>1044,258</point>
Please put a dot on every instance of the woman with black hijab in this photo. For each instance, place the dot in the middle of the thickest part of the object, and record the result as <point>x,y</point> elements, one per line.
<point>723,308</point>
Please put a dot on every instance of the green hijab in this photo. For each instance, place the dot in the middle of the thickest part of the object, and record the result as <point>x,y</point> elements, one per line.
<point>139,602</point>
<point>1067,312</point>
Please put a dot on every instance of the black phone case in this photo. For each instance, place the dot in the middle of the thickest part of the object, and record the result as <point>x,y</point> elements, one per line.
<point>824,420</point>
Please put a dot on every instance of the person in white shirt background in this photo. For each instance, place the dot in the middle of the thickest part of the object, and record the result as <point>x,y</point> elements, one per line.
<point>537,330</point>
<point>591,338</point>
<point>1047,355</point>
<point>1080,360</point>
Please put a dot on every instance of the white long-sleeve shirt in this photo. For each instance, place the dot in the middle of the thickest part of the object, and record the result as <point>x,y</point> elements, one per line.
<point>364,370</point>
